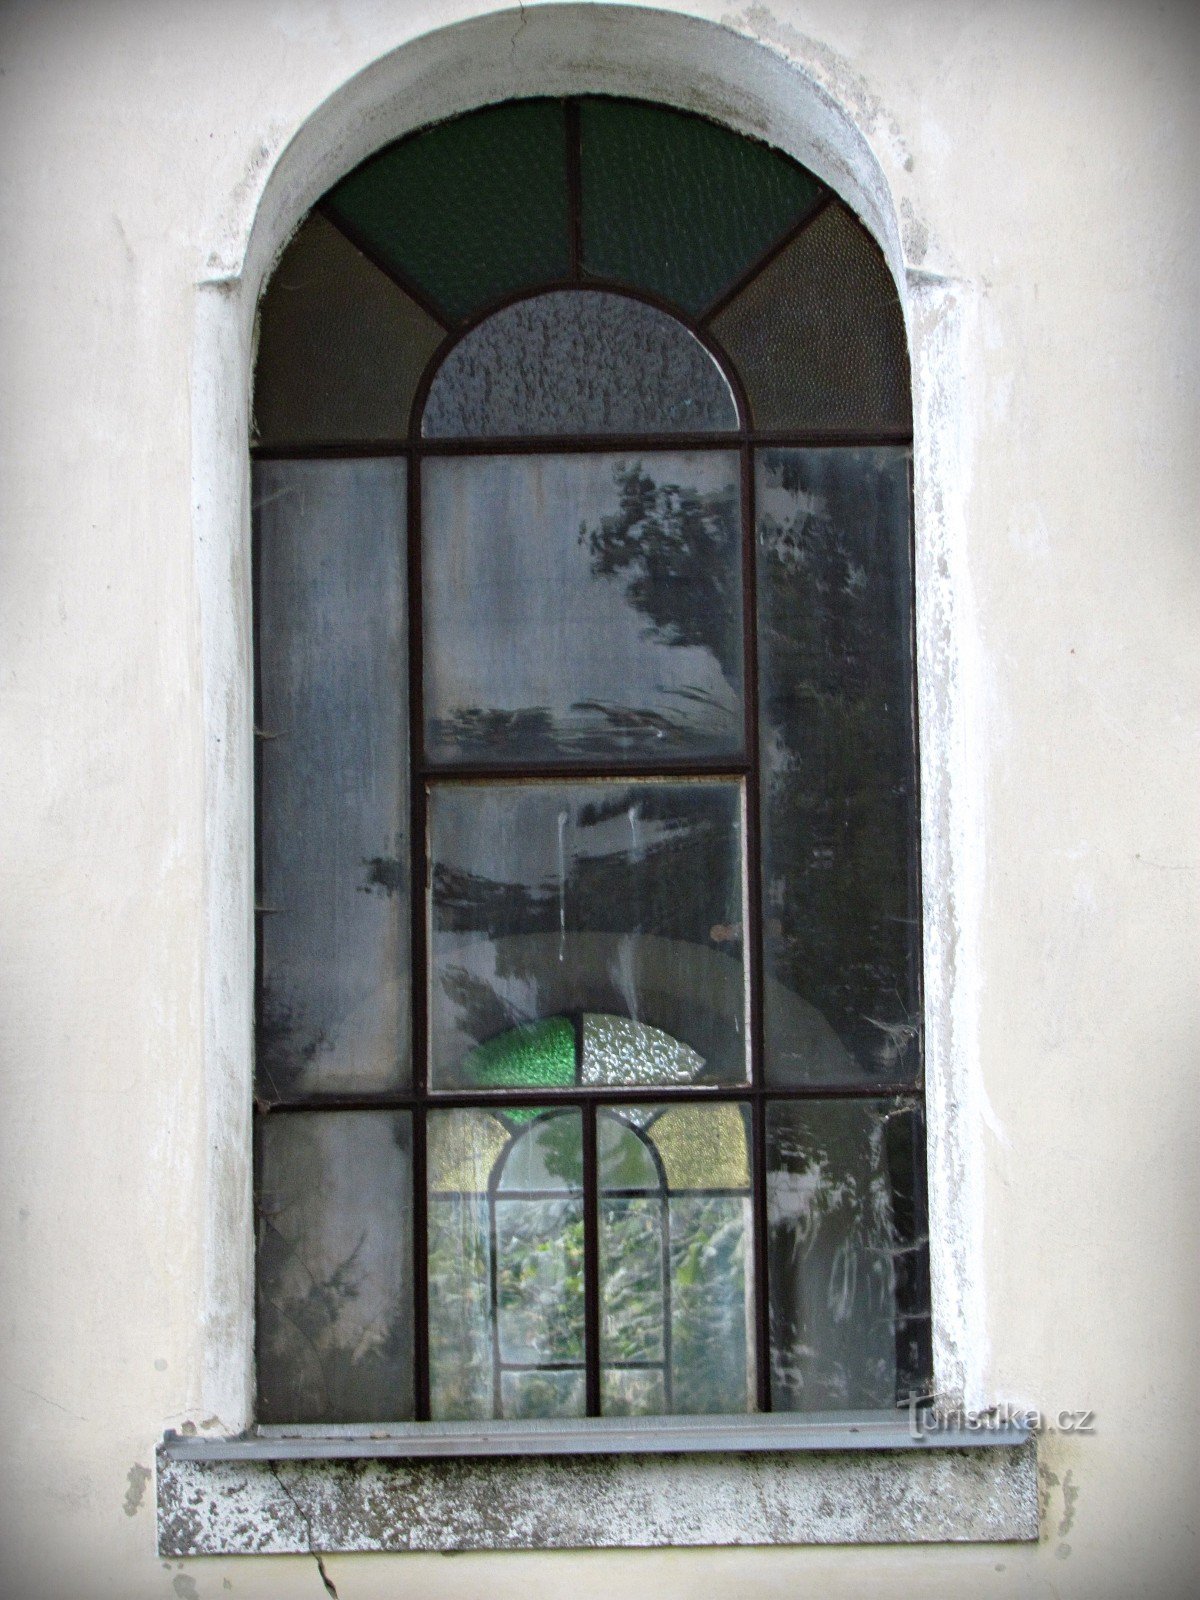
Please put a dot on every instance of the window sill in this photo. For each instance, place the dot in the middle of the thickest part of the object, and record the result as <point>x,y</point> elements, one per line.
<point>847,1478</point>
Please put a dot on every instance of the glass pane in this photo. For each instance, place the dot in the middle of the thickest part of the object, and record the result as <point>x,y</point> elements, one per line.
<point>619,1050</point>
<point>847,1254</point>
<point>340,347</point>
<point>840,825</point>
<point>578,361</point>
<point>505,1264</point>
<point>818,336</point>
<point>585,606</point>
<point>542,1394</point>
<point>678,205</point>
<point>554,899</point>
<point>334,1267</point>
<point>333,796</point>
<point>470,210</point>
<point>676,1285</point>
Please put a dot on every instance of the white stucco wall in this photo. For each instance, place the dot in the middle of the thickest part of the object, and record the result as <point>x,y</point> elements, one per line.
<point>1042,161</point>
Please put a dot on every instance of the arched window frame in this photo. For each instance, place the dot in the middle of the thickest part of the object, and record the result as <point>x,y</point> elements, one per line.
<point>693,65</point>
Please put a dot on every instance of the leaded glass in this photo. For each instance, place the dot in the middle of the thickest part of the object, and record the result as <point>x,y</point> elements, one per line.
<point>839,823</point>
<point>340,349</point>
<point>334,1224</point>
<point>333,865</point>
<point>468,211</point>
<point>818,336</point>
<point>849,1291</point>
<point>582,607</point>
<point>549,900</point>
<point>576,361</point>
<point>677,205</point>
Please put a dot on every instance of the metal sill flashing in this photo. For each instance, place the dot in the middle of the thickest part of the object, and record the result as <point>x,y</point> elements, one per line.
<point>633,1483</point>
<point>843,1430</point>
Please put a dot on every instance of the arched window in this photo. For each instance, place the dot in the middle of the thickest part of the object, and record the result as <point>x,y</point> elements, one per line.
<point>589,1045</point>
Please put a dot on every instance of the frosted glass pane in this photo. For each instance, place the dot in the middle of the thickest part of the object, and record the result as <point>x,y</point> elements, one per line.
<point>553,899</point>
<point>847,1254</point>
<point>340,347</point>
<point>582,362</point>
<point>818,336</point>
<point>839,783</point>
<point>585,606</point>
<point>332,647</point>
<point>334,1267</point>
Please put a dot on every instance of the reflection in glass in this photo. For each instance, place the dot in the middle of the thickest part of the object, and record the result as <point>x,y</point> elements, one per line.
<point>333,862</point>
<point>818,336</point>
<point>676,1283</point>
<point>582,606</point>
<point>551,899</point>
<point>334,1267</point>
<point>839,823</point>
<point>506,1330</point>
<point>847,1254</point>
<point>578,361</point>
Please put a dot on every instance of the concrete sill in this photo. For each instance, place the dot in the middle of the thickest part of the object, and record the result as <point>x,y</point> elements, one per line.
<point>837,1479</point>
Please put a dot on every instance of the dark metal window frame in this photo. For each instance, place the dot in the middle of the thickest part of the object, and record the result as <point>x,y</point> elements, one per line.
<point>754,1092</point>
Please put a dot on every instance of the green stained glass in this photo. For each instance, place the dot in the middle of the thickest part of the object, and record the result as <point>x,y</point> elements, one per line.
<point>677,205</point>
<point>468,211</point>
<point>534,1055</point>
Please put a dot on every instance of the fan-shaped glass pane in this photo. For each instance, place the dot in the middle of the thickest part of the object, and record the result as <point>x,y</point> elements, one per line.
<point>620,1050</point>
<point>818,336</point>
<point>702,1147</point>
<point>575,361</point>
<point>677,204</point>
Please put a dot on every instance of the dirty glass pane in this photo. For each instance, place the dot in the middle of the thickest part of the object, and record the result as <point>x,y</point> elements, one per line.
<point>552,899</point>
<point>818,336</point>
<point>578,361</point>
<point>334,1225</point>
<point>582,607</point>
<point>676,1283</point>
<point>332,708</point>
<point>847,1251</point>
<point>678,205</point>
<point>506,1334</point>
<point>340,347</point>
<point>839,785</point>
<point>470,210</point>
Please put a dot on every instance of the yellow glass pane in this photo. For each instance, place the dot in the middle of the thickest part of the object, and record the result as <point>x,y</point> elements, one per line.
<point>703,1147</point>
<point>462,1149</point>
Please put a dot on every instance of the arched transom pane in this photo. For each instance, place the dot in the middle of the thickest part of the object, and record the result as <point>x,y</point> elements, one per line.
<point>578,362</point>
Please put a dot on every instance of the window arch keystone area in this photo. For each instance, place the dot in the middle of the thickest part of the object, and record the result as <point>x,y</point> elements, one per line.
<point>589,1043</point>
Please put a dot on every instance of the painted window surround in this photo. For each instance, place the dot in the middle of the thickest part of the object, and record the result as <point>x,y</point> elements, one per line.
<point>806,1482</point>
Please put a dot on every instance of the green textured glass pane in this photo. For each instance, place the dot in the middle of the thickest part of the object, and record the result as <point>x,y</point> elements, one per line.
<point>341,347</point>
<point>678,205</point>
<point>818,336</point>
<point>470,210</point>
<point>533,1055</point>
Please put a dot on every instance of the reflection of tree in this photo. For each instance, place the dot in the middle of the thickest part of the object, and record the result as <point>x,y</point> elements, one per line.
<point>679,553</point>
<point>839,757</point>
